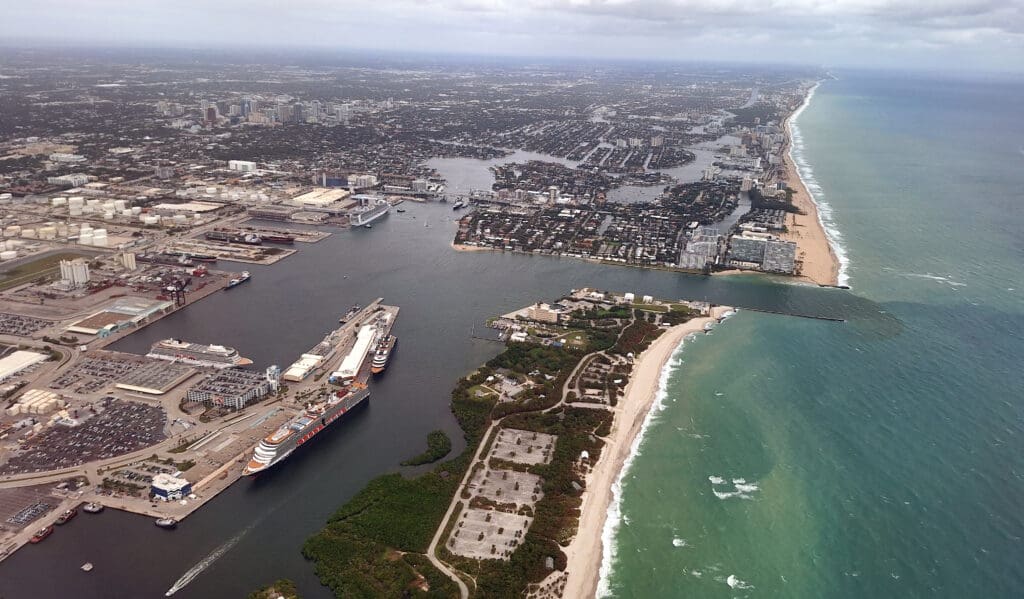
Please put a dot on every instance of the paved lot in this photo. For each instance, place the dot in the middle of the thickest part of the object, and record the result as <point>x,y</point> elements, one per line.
<point>488,534</point>
<point>523,447</point>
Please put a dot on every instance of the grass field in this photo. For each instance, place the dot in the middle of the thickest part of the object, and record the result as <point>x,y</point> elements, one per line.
<point>35,269</point>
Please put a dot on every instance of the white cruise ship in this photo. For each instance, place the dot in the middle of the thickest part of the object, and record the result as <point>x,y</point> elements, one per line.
<point>196,354</point>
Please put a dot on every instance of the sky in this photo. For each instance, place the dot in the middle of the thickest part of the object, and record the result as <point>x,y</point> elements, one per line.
<point>961,35</point>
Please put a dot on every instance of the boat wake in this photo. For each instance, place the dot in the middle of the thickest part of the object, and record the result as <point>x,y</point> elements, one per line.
<point>207,561</point>
<point>806,174</point>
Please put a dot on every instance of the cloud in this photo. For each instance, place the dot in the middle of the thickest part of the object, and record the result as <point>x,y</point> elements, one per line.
<point>989,33</point>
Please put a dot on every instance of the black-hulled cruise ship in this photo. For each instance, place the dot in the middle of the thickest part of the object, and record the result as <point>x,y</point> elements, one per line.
<point>315,418</point>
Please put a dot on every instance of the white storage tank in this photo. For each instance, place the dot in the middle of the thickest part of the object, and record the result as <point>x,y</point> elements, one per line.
<point>47,232</point>
<point>180,219</point>
<point>8,255</point>
<point>12,231</point>
<point>59,202</point>
<point>76,201</point>
<point>150,220</point>
<point>109,214</point>
<point>85,239</point>
<point>75,210</point>
<point>28,233</point>
<point>120,205</point>
<point>136,210</point>
<point>99,241</point>
<point>62,230</point>
<point>126,212</point>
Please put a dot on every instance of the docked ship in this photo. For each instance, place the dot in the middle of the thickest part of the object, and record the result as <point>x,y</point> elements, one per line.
<point>196,354</point>
<point>278,238</point>
<point>236,281</point>
<point>365,216</point>
<point>459,204</point>
<point>316,417</point>
<point>230,237</point>
<point>41,534</point>
<point>67,516</point>
<point>383,354</point>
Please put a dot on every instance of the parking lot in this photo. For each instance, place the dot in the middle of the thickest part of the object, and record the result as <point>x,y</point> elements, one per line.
<point>22,326</point>
<point>523,447</point>
<point>120,427</point>
<point>488,534</point>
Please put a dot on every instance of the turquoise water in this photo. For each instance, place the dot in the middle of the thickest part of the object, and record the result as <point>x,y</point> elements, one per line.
<point>882,457</point>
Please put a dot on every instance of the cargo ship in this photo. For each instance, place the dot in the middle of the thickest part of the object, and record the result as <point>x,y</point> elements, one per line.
<point>277,238</point>
<point>196,354</point>
<point>316,417</point>
<point>236,281</point>
<point>383,354</point>
<point>230,237</point>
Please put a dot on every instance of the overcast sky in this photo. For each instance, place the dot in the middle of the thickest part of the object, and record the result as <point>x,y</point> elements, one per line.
<point>954,34</point>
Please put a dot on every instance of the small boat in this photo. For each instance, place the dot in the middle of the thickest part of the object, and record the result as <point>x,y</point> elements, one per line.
<point>166,523</point>
<point>367,226</point>
<point>93,508</point>
<point>67,516</point>
<point>41,534</point>
<point>234,282</point>
<point>87,567</point>
<point>400,210</point>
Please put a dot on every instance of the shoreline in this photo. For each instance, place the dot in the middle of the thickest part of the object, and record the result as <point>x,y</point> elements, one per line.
<point>585,557</point>
<point>814,247</point>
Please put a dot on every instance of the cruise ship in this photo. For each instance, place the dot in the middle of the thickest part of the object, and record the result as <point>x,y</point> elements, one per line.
<point>316,417</point>
<point>363,217</point>
<point>383,354</point>
<point>217,356</point>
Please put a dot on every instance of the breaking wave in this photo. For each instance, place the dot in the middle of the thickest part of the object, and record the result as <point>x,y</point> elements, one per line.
<point>806,174</point>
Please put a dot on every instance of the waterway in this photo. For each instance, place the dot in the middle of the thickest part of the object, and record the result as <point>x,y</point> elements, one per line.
<point>286,308</point>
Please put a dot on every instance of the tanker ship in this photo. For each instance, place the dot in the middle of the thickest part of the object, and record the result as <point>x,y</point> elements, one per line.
<point>316,417</point>
<point>197,354</point>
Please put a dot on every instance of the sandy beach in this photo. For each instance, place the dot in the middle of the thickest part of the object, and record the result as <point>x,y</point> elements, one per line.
<point>458,247</point>
<point>586,550</point>
<point>820,264</point>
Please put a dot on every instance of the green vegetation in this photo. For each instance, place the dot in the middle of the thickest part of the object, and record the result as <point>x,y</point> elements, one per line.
<point>370,547</point>
<point>35,269</point>
<point>279,588</point>
<point>438,446</point>
<point>556,515</point>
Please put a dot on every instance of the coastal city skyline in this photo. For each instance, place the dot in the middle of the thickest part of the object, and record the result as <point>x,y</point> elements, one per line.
<point>490,299</point>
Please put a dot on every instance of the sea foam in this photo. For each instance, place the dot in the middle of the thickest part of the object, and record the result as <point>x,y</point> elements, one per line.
<point>806,174</point>
<point>615,517</point>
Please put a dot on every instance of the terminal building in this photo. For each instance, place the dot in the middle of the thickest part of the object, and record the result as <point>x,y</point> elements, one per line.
<point>170,488</point>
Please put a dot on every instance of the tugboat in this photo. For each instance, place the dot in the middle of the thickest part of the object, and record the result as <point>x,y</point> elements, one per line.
<point>41,534</point>
<point>168,523</point>
<point>236,281</point>
<point>67,516</point>
<point>93,508</point>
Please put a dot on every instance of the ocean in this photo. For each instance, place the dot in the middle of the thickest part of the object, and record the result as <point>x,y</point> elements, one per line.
<point>887,446</point>
<point>883,456</point>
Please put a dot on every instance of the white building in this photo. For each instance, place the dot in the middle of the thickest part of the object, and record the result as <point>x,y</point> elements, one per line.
<point>74,273</point>
<point>243,166</point>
